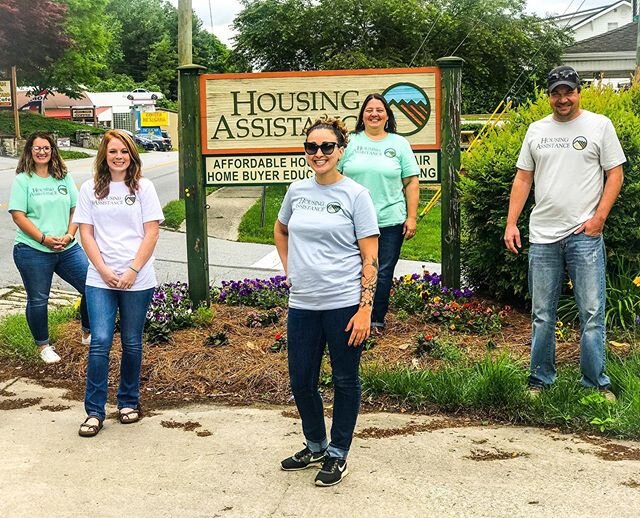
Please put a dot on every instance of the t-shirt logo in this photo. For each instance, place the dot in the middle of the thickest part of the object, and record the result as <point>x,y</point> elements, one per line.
<point>390,152</point>
<point>62,189</point>
<point>579,143</point>
<point>333,207</point>
<point>130,199</point>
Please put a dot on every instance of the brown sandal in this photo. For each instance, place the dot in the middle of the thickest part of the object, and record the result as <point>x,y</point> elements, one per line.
<point>90,430</point>
<point>130,416</point>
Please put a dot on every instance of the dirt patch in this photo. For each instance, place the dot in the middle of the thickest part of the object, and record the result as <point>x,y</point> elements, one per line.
<point>411,428</point>
<point>292,413</point>
<point>7,393</point>
<point>204,433</point>
<point>495,454</point>
<point>55,408</point>
<point>14,404</point>
<point>612,451</point>
<point>188,426</point>
<point>632,483</point>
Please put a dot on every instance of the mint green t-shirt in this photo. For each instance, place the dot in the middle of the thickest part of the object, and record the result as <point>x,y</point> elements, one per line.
<point>380,166</point>
<point>47,202</point>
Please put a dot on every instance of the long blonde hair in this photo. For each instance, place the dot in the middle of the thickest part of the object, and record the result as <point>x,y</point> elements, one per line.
<point>56,166</point>
<point>101,174</point>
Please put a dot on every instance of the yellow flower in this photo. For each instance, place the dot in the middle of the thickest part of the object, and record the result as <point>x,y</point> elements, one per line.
<point>636,281</point>
<point>436,300</point>
<point>76,304</point>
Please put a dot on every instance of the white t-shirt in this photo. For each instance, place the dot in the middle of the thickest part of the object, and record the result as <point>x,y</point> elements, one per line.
<point>118,228</point>
<point>325,223</point>
<point>568,161</point>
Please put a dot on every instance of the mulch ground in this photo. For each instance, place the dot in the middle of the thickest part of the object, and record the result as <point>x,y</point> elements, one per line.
<point>246,371</point>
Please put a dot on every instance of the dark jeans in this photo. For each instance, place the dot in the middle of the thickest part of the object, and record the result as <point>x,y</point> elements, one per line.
<point>103,305</point>
<point>307,333</point>
<point>389,244</point>
<point>36,269</point>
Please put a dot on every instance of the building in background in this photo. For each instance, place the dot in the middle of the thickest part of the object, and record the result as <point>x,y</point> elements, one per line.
<point>589,23</point>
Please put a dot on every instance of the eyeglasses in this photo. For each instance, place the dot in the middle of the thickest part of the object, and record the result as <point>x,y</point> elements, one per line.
<point>37,149</point>
<point>311,148</point>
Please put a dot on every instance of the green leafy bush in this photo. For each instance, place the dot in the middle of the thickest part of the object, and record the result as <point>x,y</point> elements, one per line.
<point>174,213</point>
<point>486,185</point>
<point>30,122</point>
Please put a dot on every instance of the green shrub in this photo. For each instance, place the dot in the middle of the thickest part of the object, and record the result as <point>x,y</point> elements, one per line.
<point>485,188</point>
<point>623,296</point>
<point>73,155</point>
<point>174,214</point>
<point>30,122</point>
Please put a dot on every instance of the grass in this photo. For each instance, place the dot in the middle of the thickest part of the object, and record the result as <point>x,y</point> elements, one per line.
<point>174,213</point>
<point>16,339</point>
<point>73,155</point>
<point>496,388</point>
<point>30,122</point>
<point>425,246</point>
<point>250,230</point>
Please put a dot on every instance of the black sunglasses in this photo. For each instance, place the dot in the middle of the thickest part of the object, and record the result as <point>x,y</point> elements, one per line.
<point>563,74</point>
<point>311,148</point>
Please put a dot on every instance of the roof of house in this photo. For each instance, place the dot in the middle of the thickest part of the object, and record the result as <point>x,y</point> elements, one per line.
<point>622,39</point>
<point>588,15</point>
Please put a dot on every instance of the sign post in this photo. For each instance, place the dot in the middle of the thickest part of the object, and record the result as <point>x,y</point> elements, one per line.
<point>450,230</point>
<point>191,162</point>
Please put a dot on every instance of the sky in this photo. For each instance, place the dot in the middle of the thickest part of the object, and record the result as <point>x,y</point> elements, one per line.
<point>222,12</point>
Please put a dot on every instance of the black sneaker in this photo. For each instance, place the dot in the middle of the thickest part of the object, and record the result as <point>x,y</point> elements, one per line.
<point>302,460</point>
<point>332,472</point>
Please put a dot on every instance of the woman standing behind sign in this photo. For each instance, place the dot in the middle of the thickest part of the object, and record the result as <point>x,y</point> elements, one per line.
<point>119,215</point>
<point>383,162</point>
<point>327,239</point>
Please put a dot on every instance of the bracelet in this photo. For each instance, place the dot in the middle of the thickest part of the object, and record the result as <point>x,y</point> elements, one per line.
<point>132,268</point>
<point>44,236</point>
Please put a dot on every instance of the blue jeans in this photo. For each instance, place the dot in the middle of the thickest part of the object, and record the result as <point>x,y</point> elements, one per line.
<point>307,333</point>
<point>36,269</point>
<point>103,305</point>
<point>584,258</point>
<point>389,244</point>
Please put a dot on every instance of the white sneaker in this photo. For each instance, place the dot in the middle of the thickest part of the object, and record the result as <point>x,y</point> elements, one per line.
<point>49,355</point>
<point>86,340</point>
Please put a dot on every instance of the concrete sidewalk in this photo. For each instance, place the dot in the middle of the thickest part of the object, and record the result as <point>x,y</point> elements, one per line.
<point>228,466</point>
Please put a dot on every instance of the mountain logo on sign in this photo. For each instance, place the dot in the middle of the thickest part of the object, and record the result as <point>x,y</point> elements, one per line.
<point>411,106</point>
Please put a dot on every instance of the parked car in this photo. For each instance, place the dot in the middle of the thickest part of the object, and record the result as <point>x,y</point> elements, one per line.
<point>145,142</point>
<point>167,139</point>
<point>159,142</point>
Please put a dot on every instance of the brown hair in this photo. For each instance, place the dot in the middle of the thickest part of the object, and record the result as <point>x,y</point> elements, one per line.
<point>101,173</point>
<point>56,166</point>
<point>333,124</point>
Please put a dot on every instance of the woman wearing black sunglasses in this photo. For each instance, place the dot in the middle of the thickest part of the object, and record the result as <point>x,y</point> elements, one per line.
<point>382,161</point>
<point>327,238</point>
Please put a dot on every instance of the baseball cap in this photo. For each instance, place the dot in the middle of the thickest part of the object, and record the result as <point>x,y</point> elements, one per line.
<point>563,75</point>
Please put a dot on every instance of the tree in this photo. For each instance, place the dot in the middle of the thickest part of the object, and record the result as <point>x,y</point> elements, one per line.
<point>21,19</point>
<point>505,51</point>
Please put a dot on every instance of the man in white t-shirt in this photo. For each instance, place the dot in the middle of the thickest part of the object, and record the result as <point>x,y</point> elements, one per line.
<point>567,156</point>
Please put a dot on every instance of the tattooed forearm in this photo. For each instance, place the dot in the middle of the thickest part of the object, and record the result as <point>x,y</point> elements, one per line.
<point>369,281</point>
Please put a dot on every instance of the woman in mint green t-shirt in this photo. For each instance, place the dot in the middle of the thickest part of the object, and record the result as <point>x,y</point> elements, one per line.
<point>383,162</point>
<point>43,197</point>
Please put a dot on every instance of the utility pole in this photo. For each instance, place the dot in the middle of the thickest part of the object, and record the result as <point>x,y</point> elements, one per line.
<point>636,18</point>
<point>14,101</point>
<point>185,57</point>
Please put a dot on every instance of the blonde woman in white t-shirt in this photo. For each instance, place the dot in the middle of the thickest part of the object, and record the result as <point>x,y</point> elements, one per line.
<point>119,216</point>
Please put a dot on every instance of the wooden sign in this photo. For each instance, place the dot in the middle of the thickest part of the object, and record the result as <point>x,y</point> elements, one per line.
<point>5,94</point>
<point>253,125</point>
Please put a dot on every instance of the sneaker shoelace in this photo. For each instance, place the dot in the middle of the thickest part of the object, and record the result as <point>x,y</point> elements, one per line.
<point>330,464</point>
<point>302,454</point>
